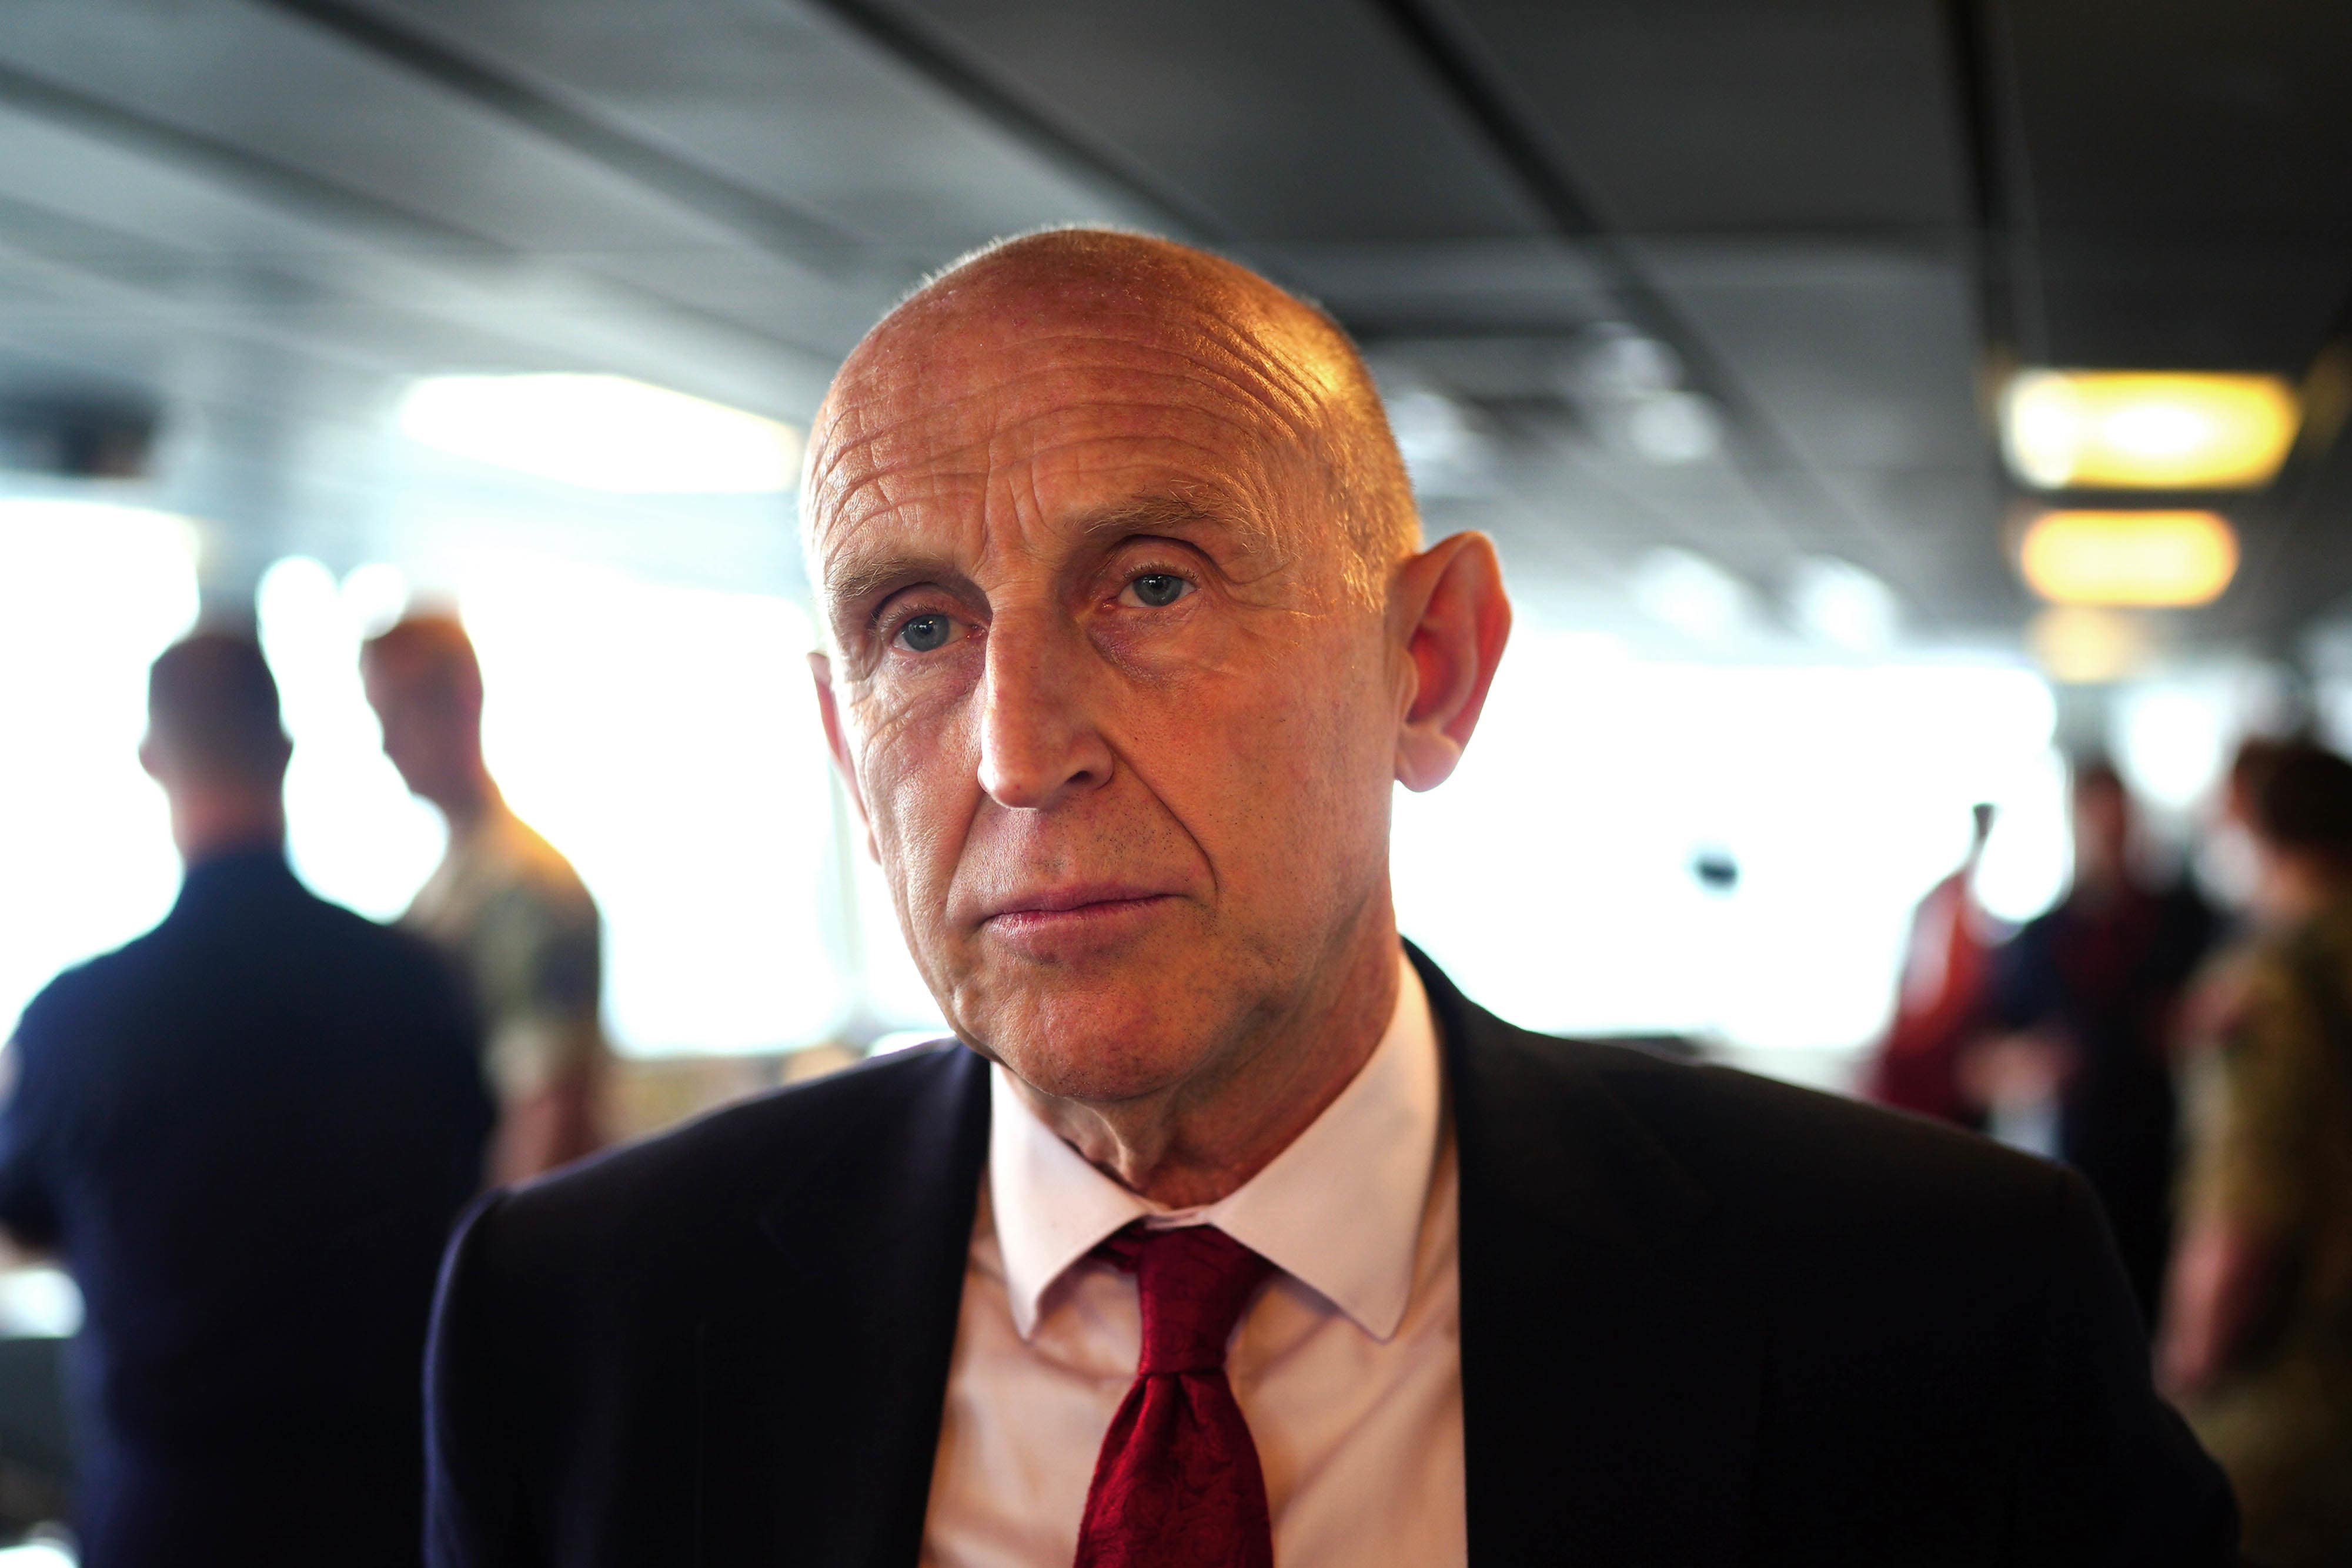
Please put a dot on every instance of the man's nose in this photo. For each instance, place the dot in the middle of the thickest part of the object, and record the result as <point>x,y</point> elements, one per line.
<point>1038,739</point>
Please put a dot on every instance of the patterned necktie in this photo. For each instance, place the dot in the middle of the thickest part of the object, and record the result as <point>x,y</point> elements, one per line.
<point>1178,1484</point>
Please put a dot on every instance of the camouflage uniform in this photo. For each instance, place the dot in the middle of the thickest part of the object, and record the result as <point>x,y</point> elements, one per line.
<point>2271,1160</point>
<point>521,922</point>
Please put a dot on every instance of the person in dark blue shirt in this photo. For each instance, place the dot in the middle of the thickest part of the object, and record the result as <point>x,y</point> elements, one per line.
<point>2089,989</point>
<point>245,1135</point>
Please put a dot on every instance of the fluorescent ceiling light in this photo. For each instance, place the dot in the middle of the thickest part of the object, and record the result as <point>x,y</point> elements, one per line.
<point>2147,430</point>
<point>2146,559</point>
<point>602,432</point>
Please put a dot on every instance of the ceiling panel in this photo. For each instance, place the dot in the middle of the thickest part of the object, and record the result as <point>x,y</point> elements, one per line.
<point>1706,115</point>
<point>782,98</point>
<point>1304,121</point>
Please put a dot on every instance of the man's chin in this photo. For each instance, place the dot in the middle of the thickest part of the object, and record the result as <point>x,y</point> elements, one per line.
<point>1101,1044</point>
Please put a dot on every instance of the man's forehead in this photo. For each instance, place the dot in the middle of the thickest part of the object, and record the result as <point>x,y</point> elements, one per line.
<point>907,542</point>
<point>1066,381</point>
<point>977,373</point>
<point>1072,411</point>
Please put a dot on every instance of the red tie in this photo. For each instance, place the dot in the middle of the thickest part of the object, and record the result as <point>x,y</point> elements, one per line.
<point>1177,1484</point>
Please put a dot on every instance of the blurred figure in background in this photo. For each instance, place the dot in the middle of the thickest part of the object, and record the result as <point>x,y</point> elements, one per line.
<point>2230,860</point>
<point>247,1134</point>
<point>1939,1004</point>
<point>503,903</point>
<point>2086,993</point>
<point>2256,1342</point>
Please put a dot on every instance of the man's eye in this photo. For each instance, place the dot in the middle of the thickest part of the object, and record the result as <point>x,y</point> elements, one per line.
<point>921,633</point>
<point>1157,589</point>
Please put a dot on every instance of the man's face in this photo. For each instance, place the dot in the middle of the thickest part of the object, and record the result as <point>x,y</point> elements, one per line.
<point>2102,831</point>
<point>423,735</point>
<point>1122,740</point>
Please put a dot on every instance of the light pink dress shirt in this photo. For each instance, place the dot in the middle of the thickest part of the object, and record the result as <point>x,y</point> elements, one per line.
<point>1347,1366</point>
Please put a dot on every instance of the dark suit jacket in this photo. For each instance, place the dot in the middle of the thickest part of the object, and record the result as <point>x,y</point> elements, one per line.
<point>1706,1320</point>
<point>249,1132</point>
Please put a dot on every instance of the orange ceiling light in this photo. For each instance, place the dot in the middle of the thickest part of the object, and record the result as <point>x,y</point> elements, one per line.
<point>2147,559</point>
<point>2147,430</point>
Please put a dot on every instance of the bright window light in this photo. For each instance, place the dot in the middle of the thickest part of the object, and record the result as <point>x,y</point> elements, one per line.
<point>375,595</point>
<point>1553,874</point>
<point>2148,560</point>
<point>39,1302</point>
<point>2172,739</point>
<point>2081,645</point>
<point>602,432</point>
<point>2147,430</point>
<point>89,595</point>
<point>1837,602</point>
<point>665,739</point>
<point>1692,594</point>
<point>353,829</point>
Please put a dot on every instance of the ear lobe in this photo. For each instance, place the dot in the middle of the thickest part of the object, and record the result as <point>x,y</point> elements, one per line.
<point>837,742</point>
<point>1460,621</point>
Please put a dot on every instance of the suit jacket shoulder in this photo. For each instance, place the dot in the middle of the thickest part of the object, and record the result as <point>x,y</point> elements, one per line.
<point>1753,1322</point>
<point>769,1165</point>
<point>750,1318</point>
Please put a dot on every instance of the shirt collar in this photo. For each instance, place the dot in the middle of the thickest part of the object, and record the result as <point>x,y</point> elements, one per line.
<point>1339,1210</point>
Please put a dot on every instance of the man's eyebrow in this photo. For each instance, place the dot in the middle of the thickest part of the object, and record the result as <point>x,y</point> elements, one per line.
<point>1169,514</point>
<point>861,578</point>
<point>858,579</point>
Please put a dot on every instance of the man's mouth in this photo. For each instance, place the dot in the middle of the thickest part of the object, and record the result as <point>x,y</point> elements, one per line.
<point>1074,908</point>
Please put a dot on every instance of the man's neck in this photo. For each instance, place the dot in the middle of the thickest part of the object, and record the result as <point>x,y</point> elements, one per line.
<point>1199,1141</point>
<point>469,805</point>
<point>212,829</point>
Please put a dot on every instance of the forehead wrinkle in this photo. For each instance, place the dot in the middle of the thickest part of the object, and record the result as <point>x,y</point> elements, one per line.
<point>1252,371</point>
<point>1004,447</point>
<point>825,474</point>
<point>927,482</point>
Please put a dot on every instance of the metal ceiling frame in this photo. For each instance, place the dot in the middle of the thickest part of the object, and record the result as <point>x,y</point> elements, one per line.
<point>767,220</point>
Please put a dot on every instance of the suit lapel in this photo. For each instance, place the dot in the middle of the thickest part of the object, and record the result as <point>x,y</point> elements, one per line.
<point>1609,1373</point>
<point>869,1240</point>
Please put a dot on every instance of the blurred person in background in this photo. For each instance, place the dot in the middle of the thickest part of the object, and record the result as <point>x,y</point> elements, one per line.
<point>2230,862</point>
<point>1228,1232</point>
<point>503,903</point>
<point>2085,996</point>
<point>2256,1339</point>
<point>246,1134</point>
<point>2230,859</point>
<point>1939,1005</point>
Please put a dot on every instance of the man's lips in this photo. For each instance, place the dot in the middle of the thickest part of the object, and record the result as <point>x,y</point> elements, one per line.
<point>1078,903</point>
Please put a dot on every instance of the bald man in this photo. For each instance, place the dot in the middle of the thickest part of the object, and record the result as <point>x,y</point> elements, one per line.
<point>247,1134</point>
<point>1227,1231</point>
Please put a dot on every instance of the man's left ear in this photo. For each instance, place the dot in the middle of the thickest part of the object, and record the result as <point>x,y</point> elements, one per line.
<point>1454,619</point>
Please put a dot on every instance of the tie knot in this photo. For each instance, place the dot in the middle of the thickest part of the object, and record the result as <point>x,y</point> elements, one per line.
<point>1193,1282</point>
